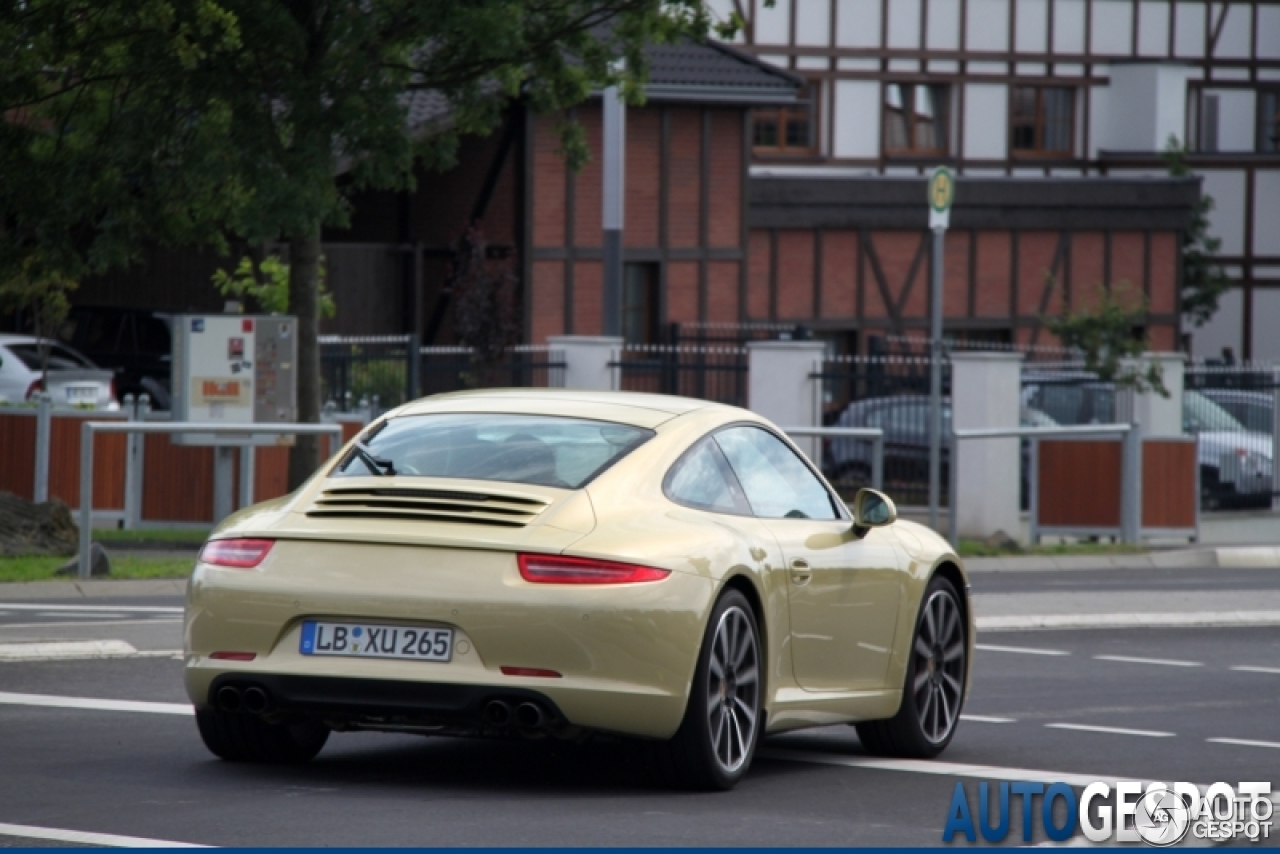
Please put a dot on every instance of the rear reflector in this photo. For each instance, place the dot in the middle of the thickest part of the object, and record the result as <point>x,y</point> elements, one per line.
<point>241,554</point>
<point>529,671</point>
<point>234,656</point>
<point>557,569</point>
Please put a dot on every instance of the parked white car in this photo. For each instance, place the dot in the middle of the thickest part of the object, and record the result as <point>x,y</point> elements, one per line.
<point>72,379</point>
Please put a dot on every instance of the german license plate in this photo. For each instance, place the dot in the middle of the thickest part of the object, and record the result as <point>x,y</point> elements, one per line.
<point>364,640</point>
<point>81,393</point>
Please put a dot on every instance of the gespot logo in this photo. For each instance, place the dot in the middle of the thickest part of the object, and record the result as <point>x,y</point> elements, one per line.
<point>1160,814</point>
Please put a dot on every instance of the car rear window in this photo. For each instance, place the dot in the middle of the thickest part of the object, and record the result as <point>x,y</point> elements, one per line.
<point>534,449</point>
<point>60,358</point>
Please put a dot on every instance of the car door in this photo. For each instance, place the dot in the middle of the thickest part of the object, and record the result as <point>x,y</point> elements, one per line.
<point>843,589</point>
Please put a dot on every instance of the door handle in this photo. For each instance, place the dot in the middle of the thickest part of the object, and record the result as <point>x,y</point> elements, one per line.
<point>800,571</point>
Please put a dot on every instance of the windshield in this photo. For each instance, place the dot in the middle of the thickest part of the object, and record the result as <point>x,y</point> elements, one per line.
<point>1202,415</point>
<point>533,449</point>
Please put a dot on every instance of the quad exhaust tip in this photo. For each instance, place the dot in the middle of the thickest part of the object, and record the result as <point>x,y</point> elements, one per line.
<point>229,699</point>
<point>255,700</point>
<point>530,715</point>
<point>497,713</point>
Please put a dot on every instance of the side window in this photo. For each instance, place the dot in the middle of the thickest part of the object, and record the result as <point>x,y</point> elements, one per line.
<point>702,479</point>
<point>777,483</point>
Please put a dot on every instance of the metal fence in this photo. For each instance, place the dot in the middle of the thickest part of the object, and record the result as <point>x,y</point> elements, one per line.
<point>361,367</point>
<point>1233,409</point>
<point>708,372</point>
<point>890,393</point>
<point>384,371</point>
<point>458,368</point>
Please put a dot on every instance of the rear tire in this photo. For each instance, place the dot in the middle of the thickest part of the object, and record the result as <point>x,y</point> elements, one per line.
<point>714,746</point>
<point>248,738</point>
<point>933,692</point>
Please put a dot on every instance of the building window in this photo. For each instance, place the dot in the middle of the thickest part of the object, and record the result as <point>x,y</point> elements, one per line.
<point>640,323</point>
<point>916,119</point>
<point>789,129</point>
<point>1041,121</point>
<point>1269,121</point>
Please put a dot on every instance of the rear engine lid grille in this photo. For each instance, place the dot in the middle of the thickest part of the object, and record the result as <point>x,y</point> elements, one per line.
<point>428,505</point>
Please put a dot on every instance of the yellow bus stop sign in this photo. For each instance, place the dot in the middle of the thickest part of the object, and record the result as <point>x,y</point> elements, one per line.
<point>942,192</point>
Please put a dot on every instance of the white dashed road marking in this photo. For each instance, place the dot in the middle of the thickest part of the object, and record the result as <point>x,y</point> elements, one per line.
<point>1248,668</point>
<point>1024,650</point>
<point>1164,662</point>
<point>146,609</point>
<point>85,838</point>
<point>987,719</point>
<point>96,704</point>
<point>152,621</point>
<point>1111,730</point>
<point>1244,742</point>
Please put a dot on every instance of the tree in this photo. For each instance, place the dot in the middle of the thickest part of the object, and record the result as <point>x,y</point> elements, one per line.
<point>100,152</point>
<point>1203,281</point>
<point>296,104</point>
<point>1105,336</point>
<point>483,314</point>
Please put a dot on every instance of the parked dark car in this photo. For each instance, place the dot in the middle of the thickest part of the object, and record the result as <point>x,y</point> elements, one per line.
<point>905,422</point>
<point>135,343</point>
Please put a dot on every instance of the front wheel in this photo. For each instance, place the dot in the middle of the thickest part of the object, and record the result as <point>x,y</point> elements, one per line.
<point>717,739</point>
<point>933,693</point>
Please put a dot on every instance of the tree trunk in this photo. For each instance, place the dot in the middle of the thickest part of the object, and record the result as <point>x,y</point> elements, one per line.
<point>304,303</point>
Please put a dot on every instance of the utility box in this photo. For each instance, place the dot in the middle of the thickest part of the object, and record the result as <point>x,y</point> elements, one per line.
<point>234,369</point>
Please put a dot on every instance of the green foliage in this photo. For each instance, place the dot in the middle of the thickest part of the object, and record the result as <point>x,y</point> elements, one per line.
<point>1105,334</point>
<point>1203,281</point>
<point>102,147</point>
<point>41,293</point>
<point>42,568</point>
<point>267,285</point>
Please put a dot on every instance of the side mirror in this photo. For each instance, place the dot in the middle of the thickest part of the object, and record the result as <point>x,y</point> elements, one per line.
<point>872,509</point>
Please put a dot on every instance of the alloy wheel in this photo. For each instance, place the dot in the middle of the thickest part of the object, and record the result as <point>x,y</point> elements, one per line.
<point>939,652</point>
<point>733,689</point>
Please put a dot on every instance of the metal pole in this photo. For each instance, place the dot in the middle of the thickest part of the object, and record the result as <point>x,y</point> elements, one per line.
<point>246,475</point>
<point>1033,486</point>
<point>44,431</point>
<point>86,496</point>
<point>615,136</point>
<point>221,483</point>
<point>131,490</point>
<point>877,462</point>
<point>415,366</point>
<point>1131,486</point>
<point>935,379</point>
<point>953,490</point>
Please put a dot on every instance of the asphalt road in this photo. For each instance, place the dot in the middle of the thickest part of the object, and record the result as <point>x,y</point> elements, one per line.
<point>1044,703</point>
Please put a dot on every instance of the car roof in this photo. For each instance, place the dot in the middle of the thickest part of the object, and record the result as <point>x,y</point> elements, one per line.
<point>625,407</point>
<point>10,338</point>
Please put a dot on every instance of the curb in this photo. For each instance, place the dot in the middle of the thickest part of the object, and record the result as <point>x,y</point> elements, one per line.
<point>1227,557</point>
<point>18,590</point>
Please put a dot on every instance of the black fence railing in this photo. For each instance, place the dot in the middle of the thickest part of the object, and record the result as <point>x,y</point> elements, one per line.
<point>446,369</point>
<point>361,367</point>
<point>386,371</point>
<point>710,373</point>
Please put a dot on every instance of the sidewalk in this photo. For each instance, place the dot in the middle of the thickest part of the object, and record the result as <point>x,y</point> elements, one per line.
<point>1222,557</point>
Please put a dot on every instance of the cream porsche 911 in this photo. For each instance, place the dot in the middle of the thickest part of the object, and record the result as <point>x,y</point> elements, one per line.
<point>558,563</point>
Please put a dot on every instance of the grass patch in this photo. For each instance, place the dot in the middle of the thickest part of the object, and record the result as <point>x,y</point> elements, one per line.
<point>151,535</point>
<point>42,568</point>
<point>978,548</point>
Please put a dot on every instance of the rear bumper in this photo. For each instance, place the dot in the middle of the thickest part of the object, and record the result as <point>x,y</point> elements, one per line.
<point>625,654</point>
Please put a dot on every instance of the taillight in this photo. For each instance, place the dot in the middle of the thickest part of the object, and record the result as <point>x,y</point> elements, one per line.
<point>529,671</point>
<point>557,569</point>
<point>37,385</point>
<point>241,554</point>
<point>234,656</point>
